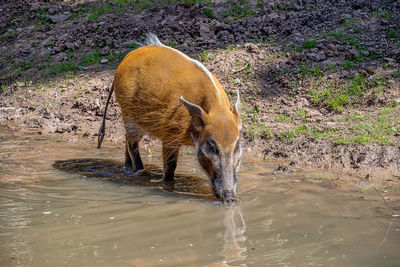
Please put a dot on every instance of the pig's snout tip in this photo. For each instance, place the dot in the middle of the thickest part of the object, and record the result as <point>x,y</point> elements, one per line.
<point>228,197</point>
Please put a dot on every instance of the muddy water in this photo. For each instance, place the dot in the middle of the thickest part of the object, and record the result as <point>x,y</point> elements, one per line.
<point>88,217</point>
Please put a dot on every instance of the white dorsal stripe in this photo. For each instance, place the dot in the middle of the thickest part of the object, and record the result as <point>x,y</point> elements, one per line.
<point>152,40</point>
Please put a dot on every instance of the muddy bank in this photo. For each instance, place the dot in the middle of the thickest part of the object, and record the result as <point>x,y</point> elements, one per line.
<point>320,81</point>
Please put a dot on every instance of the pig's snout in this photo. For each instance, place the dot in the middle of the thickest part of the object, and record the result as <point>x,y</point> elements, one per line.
<point>228,196</point>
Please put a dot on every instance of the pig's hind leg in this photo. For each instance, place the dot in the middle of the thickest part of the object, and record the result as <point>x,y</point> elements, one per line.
<point>132,155</point>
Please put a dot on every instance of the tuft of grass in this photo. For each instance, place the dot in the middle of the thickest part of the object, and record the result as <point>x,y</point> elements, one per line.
<point>256,127</point>
<point>26,65</point>
<point>348,64</point>
<point>392,33</point>
<point>249,69</point>
<point>92,58</point>
<point>347,22</point>
<point>238,12</point>
<point>373,55</point>
<point>114,56</point>
<point>171,44</point>
<point>313,71</point>
<point>209,13</point>
<point>317,135</point>
<point>354,42</point>
<point>62,67</point>
<point>96,12</point>
<point>307,45</point>
<point>4,88</point>
<point>339,35</point>
<point>383,13</point>
<point>5,38</point>
<point>336,96</point>
<point>379,129</point>
<point>205,55</point>
<point>283,117</point>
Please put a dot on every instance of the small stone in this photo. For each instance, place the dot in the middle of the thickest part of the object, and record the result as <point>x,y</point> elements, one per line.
<point>330,50</point>
<point>60,18</point>
<point>319,56</point>
<point>61,57</point>
<point>365,53</point>
<point>370,70</point>
<point>104,51</point>
<point>252,48</point>
<point>104,61</point>
<point>353,53</point>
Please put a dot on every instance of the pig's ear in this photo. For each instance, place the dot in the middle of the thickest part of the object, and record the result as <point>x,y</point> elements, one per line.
<point>197,113</point>
<point>236,110</point>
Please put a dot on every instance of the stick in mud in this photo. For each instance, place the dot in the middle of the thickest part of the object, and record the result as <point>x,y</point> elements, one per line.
<point>394,214</point>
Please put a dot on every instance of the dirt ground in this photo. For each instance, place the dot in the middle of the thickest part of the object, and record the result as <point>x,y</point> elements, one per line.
<point>320,80</point>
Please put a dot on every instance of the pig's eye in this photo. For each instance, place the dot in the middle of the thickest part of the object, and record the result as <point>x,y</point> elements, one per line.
<point>212,146</point>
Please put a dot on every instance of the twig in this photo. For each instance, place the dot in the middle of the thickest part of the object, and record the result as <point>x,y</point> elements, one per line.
<point>386,235</point>
<point>387,204</point>
<point>241,69</point>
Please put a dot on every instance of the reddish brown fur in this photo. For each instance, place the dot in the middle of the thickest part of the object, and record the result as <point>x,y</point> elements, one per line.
<point>164,93</point>
<point>148,84</point>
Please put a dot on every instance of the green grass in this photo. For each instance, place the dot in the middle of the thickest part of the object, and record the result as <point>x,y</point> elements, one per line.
<point>354,42</point>
<point>379,128</point>
<point>44,20</point>
<point>347,22</point>
<point>62,67</point>
<point>283,118</point>
<point>248,69</point>
<point>339,35</point>
<point>307,45</point>
<point>26,65</point>
<point>238,12</point>
<point>362,129</point>
<point>383,13</point>
<point>114,56</point>
<point>317,135</point>
<point>93,58</point>
<point>96,12</point>
<point>301,114</point>
<point>209,13</point>
<point>171,44</point>
<point>392,33</point>
<point>313,71</point>
<point>206,56</point>
<point>336,96</point>
<point>373,55</point>
<point>255,126</point>
<point>14,71</point>
<point>5,38</point>
<point>4,87</point>
<point>348,64</point>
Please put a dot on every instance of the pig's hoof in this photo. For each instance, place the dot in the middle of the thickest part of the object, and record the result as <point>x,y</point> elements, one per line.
<point>141,172</point>
<point>128,171</point>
